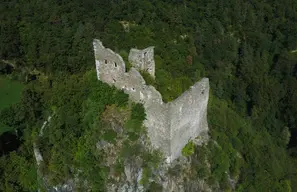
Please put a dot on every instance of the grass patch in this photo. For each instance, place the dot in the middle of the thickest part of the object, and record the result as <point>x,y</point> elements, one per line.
<point>124,54</point>
<point>10,93</point>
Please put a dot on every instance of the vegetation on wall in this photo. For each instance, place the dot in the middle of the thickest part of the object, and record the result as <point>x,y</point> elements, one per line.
<point>246,48</point>
<point>188,149</point>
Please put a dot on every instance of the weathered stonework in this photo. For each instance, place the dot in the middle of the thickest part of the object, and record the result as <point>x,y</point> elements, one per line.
<point>170,125</point>
<point>143,60</point>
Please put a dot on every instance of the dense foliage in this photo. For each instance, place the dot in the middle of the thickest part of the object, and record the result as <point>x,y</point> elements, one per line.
<point>246,48</point>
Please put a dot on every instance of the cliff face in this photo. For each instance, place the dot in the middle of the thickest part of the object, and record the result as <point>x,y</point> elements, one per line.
<point>170,125</point>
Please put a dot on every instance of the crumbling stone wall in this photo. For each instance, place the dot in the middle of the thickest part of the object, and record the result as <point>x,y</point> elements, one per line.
<point>188,116</point>
<point>143,60</point>
<point>170,125</point>
<point>109,65</point>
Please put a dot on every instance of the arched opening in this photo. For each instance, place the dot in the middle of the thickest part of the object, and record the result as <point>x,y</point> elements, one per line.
<point>115,64</point>
<point>105,61</point>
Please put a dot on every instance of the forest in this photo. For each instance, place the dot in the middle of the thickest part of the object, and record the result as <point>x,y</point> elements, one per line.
<point>248,50</point>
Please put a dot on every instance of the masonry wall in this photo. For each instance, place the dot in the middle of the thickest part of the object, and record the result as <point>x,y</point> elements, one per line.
<point>187,116</point>
<point>143,60</point>
<point>170,125</point>
<point>157,120</point>
<point>109,65</point>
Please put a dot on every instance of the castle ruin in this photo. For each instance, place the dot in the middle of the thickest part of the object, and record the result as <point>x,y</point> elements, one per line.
<point>170,125</point>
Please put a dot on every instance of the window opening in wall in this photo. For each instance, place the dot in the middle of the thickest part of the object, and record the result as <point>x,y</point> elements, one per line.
<point>144,53</point>
<point>113,80</point>
<point>133,89</point>
<point>115,64</point>
<point>105,61</point>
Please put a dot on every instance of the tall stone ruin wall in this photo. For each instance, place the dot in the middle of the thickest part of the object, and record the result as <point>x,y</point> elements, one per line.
<point>170,125</point>
<point>188,116</point>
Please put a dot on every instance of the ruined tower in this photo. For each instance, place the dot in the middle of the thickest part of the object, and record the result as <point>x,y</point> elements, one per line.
<point>143,60</point>
<point>170,125</point>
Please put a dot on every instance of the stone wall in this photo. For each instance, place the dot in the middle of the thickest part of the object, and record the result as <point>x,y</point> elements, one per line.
<point>170,125</point>
<point>109,65</point>
<point>143,60</point>
<point>188,116</point>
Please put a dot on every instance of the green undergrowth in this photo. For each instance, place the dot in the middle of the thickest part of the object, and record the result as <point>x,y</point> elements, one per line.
<point>96,124</point>
<point>236,147</point>
<point>188,149</point>
<point>125,56</point>
<point>149,80</point>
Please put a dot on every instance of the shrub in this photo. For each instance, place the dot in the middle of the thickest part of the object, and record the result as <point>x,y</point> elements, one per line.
<point>189,149</point>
